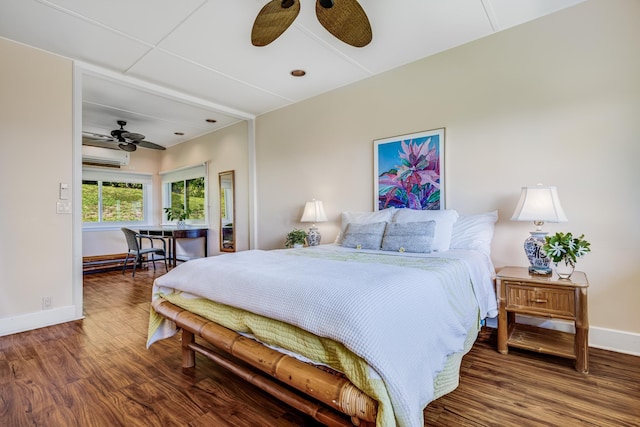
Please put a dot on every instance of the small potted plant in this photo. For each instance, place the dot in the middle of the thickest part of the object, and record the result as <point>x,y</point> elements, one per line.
<point>564,250</point>
<point>295,239</point>
<point>179,213</point>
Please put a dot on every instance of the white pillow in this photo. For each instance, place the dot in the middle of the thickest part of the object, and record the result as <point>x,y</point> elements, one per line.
<point>474,232</point>
<point>348,217</point>
<point>364,236</point>
<point>444,223</point>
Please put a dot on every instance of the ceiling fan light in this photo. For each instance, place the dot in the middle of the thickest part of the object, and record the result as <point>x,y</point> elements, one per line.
<point>128,147</point>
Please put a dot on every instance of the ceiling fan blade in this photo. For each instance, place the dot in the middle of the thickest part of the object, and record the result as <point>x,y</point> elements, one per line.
<point>147,144</point>
<point>132,136</point>
<point>127,146</point>
<point>346,20</point>
<point>273,20</point>
<point>96,136</point>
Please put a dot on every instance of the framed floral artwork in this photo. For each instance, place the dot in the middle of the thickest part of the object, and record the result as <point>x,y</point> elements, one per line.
<point>409,171</point>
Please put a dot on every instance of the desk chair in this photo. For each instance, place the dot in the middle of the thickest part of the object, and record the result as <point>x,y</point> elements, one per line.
<point>134,242</point>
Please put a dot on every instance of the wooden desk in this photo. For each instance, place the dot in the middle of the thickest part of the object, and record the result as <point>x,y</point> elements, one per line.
<point>174,234</point>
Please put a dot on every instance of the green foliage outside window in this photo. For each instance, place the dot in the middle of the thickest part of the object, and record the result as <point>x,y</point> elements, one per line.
<point>124,202</point>
<point>192,198</point>
<point>121,202</point>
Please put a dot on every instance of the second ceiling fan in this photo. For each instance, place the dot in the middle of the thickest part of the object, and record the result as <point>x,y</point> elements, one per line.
<point>345,19</point>
<point>127,141</point>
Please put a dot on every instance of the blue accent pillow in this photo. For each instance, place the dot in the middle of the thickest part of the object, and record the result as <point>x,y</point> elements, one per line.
<point>409,236</point>
<point>444,223</point>
<point>364,236</point>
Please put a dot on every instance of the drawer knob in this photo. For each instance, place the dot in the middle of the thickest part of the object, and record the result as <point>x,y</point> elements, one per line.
<point>539,301</point>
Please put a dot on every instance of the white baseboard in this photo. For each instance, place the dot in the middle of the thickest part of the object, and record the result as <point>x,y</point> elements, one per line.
<point>606,339</point>
<point>39,319</point>
<point>620,341</point>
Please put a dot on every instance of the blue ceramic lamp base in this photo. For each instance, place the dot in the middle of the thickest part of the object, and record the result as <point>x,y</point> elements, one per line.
<point>313,237</point>
<point>537,258</point>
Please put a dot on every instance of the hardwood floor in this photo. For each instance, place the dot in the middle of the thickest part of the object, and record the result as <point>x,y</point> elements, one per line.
<point>97,372</point>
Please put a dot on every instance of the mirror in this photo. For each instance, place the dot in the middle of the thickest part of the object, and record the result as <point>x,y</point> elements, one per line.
<point>227,212</point>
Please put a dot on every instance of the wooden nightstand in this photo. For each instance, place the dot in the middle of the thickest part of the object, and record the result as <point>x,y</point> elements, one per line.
<point>548,297</point>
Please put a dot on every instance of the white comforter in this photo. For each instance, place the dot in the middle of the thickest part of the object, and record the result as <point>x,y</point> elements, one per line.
<point>403,314</point>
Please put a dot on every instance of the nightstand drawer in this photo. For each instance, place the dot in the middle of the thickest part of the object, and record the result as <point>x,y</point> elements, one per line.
<point>553,302</point>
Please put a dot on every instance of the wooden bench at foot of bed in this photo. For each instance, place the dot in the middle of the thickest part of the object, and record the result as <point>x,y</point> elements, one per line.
<point>324,396</point>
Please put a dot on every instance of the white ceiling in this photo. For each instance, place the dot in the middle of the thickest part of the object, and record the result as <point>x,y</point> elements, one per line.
<point>165,66</point>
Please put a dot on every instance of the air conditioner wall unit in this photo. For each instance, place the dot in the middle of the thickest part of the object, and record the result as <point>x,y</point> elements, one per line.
<point>104,156</point>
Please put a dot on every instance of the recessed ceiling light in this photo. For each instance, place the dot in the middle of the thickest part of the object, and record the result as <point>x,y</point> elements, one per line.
<point>211,120</point>
<point>298,73</point>
<point>178,133</point>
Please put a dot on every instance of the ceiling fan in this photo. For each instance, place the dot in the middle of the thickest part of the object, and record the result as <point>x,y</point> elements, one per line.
<point>345,19</point>
<point>127,141</point>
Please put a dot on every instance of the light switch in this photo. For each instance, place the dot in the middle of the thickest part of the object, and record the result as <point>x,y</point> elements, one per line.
<point>64,191</point>
<point>63,207</point>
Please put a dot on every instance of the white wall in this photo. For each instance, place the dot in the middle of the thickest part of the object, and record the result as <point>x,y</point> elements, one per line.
<point>556,101</point>
<point>36,253</point>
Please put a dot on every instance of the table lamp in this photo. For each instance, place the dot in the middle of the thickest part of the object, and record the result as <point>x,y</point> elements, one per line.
<point>538,204</point>
<point>313,212</point>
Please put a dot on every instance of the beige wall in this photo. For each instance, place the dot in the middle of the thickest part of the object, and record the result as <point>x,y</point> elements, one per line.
<point>37,155</point>
<point>555,101</point>
<point>101,242</point>
<point>224,150</point>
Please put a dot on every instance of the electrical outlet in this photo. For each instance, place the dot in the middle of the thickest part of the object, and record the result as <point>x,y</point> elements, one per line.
<point>47,302</point>
<point>63,207</point>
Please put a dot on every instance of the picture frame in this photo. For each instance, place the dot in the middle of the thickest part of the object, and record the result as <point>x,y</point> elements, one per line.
<point>409,171</point>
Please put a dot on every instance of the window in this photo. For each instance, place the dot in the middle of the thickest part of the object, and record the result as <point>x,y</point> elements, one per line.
<point>114,198</point>
<point>186,187</point>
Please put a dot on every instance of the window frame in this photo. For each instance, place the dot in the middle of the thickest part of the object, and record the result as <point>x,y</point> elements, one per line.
<point>185,174</point>
<point>101,175</point>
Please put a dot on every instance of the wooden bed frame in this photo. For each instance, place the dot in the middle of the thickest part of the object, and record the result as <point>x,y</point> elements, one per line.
<point>317,393</point>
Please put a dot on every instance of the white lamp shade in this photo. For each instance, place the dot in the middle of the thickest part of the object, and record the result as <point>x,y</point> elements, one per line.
<point>314,212</point>
<point>539,203</point>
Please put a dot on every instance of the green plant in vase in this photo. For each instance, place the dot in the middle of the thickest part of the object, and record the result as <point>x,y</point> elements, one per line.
<point>295,238</point>
<point>563,249</point>
<point>179,213</point>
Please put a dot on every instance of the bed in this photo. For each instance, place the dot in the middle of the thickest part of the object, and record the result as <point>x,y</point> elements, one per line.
<point>345,332</point>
